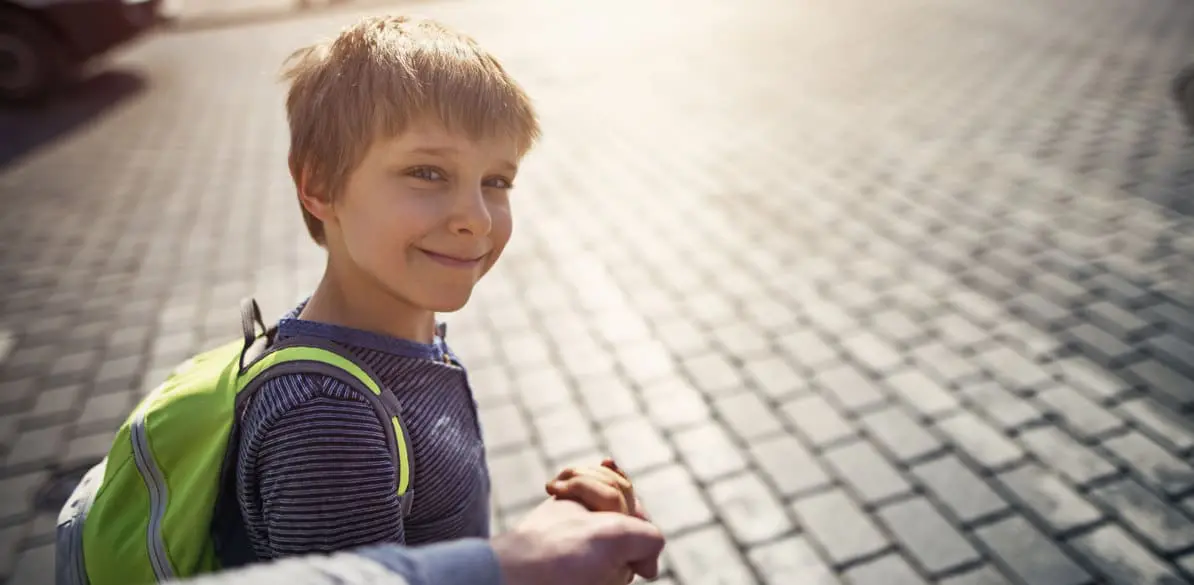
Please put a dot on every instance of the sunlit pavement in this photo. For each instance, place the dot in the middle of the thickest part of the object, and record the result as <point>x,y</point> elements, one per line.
<point>872,292</point>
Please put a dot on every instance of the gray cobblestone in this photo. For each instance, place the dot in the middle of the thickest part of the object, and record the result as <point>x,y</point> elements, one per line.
<point>896,431</point>
<point>965,494</point>
<point>709,452</point>
<point>607,398</point>
<point>1008,410</point>
<point>673,499</point>
<point>807,348</point>
<point>107,408</point>
<point>1122,559</point>
<point>1082,416</point>
<point>1057,504</point>
<point>518,479</point>
<point>840,526</point>
<point>983,576</point>
<point>752,514</point>
<point>1091,378</point>
<point>1176,351</point>
<point>944,363</point>
<point>637,445</point>
<point>1163,382</point>
<point>1032,557</point>
<point>708,557</point>
<point>1116,319</point>
<point>922,393</point>
<point>817,419</point>
<point>672,404</point>
<point>1105,347</point>
<point>1162,525</point>
<point>888,570</point>
<point>866,471</point>
<point>791,560</point>
<point>541,389</point>
<point>774,376</point>
<point>747,415</point>
<point>1152,464</point>
<point>713,374</point>
<point>10,537</point>
<point>980,440</point>
<point>851,388</point>
<point>36,446</point>
<point>566,431</point>
<point>1071,459</point>
<point>928,537</point>
<point>872,352</point>
<point>1015,370</point>
<point>503,427</point>
<point>788,465</point>
<point>1159,423</point>
<point>87,449</point>
<point>18,491</point>
<point>33,565</point>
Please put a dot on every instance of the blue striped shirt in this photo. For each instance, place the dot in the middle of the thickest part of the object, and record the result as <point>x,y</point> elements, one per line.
<point>314,472</point>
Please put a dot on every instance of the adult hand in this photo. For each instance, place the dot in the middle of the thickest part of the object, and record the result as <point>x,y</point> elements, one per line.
<point>562,542</point>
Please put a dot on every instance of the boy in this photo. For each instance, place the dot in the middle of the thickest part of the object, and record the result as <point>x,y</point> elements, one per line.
<point>405,143</point>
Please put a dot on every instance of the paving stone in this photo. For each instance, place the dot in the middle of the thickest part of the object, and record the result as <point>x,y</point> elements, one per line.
<point>774,376</point>
<point>1057,504</point>
<point>740,341</point>
<point>1116,319</point>
<point>751,512</point>
<point>896,326</point>
<point>981,441</point>
<point>1082,416</point>
<point>1122,559</point>
<point>790,467</point>
<point>87,449</point>
<point>518,478</point>
<point>1115,286</point>
<point>957,331</point>
<point>1072,460</point>
<point>683,337</point>
<point>713,374</point>
<point>923,394</point>
<point>866,471</point>
<point>944,363</point>
<point>503,427</point>
<point>1177,352</point>
<point>607,398</point>
<point>840,526</point>
<point>11,536</point>
<point>637,445</point>
<point>1091,378</point>
<point>646,362</point>
<point>709,452</point>
<point>789,561</point>
<point>963,492</point>
<point>1039,309</point>
<point>872,352</point>
<point>564,431</point>
<point>1028,554</point>
<point>747,415</point>
<point>708,557</point>
<point>1152,463</point>
<point>1163,382</point>
<point>33,566</point>
<point>1008,410</point>
<point>807,348</point>
<point>850,388</point>
<point>541,389</point>
<point>1014,370</point>
<point>673,499</point>
<point>673,404</point>
<point>1105,347</point>
<point>1159,423</point>
<point>982,576</point>
<point>888,570</point>
<point>19,491</point>
<point>817,419</point>
<point>57,401</point>
<point>927,536</point>
<point>36,446</point>
<point>1162,525</point>
<point>896,431</point>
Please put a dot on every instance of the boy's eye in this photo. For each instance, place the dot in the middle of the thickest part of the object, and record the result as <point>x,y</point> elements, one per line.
<point>499,183</point>
<point>426,173</point>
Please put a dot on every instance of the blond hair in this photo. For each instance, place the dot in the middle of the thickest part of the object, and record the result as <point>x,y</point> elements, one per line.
<point>374,79</point>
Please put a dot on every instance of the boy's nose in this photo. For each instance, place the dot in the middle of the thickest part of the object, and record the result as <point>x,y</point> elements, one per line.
<point>471,215</point>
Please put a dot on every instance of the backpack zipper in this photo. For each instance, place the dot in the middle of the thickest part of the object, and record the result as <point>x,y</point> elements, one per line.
<point>156,484</point>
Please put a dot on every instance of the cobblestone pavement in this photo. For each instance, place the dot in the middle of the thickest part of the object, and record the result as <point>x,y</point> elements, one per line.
<point>861,292</point>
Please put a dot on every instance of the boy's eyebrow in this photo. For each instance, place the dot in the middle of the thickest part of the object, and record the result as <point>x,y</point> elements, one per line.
<point>447,150</point>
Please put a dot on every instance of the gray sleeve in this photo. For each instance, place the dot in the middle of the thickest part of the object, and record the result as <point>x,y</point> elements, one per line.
<point>459,562</point>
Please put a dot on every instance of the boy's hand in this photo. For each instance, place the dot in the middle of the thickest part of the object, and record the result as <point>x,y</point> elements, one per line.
<point>604,488</point>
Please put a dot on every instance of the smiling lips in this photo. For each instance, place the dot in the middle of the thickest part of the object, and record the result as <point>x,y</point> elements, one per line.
<point>453,261</point>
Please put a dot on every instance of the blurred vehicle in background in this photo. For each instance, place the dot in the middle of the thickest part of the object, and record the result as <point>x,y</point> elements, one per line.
<point>1183,92</point>
<point>42,41</point>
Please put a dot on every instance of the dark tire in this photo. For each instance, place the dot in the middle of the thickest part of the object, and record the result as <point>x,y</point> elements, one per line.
<point>1183,92</point>
<point>32,61</point>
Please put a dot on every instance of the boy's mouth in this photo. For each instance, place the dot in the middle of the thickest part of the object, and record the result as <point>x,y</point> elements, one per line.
<point>453,261</point>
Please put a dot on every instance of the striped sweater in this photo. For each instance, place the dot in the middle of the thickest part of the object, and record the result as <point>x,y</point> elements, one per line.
<point>314,472</point>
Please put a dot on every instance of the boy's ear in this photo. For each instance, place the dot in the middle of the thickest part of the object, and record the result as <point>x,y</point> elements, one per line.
<point>311,196</point>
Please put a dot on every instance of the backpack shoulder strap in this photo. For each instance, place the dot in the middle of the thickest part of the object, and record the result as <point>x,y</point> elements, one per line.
<point>312,355</point>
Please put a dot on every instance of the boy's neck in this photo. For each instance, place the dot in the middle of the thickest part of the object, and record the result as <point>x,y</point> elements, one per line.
<point>368,308</point>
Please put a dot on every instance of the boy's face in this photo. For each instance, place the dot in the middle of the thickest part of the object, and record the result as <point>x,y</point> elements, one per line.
<point>426,214</point>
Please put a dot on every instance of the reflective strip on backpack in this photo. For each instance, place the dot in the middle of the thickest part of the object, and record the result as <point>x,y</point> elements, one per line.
<point>159,496</point>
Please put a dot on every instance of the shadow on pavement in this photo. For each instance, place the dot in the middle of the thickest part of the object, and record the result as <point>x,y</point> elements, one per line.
<point>28,129</point>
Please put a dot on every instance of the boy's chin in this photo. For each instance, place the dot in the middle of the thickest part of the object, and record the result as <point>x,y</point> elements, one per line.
<point>447,302</point>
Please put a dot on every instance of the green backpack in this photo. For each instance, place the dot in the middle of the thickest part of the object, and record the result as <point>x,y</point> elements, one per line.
<point>145,513</point>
